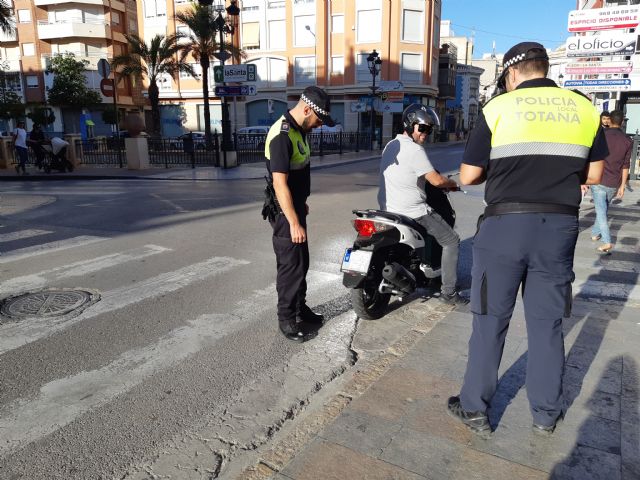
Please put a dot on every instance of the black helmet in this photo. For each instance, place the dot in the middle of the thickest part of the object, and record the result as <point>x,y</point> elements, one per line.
<point>419,114</point>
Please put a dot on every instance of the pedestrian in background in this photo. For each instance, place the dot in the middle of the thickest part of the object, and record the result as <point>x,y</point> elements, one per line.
<point>20,142</point>
<point>605,119</point>
<point>288,155</point>
<point>38,138</point>
<point>614,179</point>
<point>533,145</point>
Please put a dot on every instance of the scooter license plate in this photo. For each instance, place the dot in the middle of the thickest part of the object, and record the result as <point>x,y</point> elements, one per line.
<point>356,261</point>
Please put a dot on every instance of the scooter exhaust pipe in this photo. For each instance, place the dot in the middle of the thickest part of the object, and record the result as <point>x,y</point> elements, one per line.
<point>399,277</point>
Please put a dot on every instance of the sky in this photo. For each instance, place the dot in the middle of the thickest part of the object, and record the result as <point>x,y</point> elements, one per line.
<point>509,22</point>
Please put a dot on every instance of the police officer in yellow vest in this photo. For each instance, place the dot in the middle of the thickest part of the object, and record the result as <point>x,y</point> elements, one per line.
<point>534,145</point>
<point>287,152</point>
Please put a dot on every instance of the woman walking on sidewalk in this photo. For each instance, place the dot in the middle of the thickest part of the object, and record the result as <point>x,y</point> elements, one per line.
<point>20,142</point>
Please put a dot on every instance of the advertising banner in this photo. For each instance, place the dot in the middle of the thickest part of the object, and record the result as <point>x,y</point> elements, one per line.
<point>597,68</point>
<point>623,16</point>
<point>605,44</point>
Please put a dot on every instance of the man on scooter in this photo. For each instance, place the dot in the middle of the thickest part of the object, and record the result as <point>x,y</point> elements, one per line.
<point>404,169</point>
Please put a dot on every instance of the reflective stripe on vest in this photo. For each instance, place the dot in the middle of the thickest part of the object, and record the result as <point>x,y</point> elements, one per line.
<point>547,121</point>
<point>301,149</point>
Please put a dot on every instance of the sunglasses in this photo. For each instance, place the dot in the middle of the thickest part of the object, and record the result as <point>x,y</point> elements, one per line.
<point>423,128</point>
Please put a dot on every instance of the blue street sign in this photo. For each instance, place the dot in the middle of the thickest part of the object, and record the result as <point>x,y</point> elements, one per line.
<point>235,90</point>
<point>614,82</point>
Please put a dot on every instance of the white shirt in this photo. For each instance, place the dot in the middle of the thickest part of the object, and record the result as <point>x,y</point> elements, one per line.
<point>58,144</point>
<point>21,137</point>
<point>403,166</point>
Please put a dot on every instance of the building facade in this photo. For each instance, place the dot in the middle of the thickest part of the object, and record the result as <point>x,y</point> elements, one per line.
<point>90,29</point>
<point>296,43</point>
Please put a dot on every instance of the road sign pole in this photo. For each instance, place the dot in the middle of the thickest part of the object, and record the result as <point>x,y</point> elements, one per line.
<point>115,108</point>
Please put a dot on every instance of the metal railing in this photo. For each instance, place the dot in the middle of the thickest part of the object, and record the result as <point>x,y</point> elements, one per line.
<point>179,151</point>
<point>108,152</point>
<point>250,147</point>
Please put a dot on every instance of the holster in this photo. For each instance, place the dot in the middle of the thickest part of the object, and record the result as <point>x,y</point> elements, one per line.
<point>271,207</point>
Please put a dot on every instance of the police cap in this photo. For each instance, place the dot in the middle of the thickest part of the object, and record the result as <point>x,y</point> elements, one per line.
<point>519,53</point>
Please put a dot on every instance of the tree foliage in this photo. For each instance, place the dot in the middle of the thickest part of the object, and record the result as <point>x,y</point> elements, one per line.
<point>7,22</point>
<point>69,88</point>
<point>159,58</point>
<point>111,116</point>
<point>11,105</point>
<point>42,115</point>
<point>202,44</point>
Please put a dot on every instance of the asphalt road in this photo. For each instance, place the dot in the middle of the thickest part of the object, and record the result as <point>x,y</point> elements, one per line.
<point>179,366</point>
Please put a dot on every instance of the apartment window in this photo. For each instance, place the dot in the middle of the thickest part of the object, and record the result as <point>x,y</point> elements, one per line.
<point>337,24</point>
<point>115,18</point>
<point>303,36</point>
<point>304,70</point>
<point>436,33</point>
<point>28,49</point>
<point>368,21</point>
<point>24,16</point>
<point>184,33</point>
<point>32,81</point>
<point>337,65</point>
<point>197,69</point>
<point>251,35</point>
<point>412,26</point>
<point>133,26</point>
<point>277,35</point>
<point>155,8</point>
<point>164,82</point>
<point>411,68</point>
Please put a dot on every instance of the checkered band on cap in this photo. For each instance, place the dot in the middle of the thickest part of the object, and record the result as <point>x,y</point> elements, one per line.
<point>516,59</point>
<point>315,107</point>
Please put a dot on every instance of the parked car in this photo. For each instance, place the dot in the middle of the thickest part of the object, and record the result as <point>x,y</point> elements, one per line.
<point>252,138</point>
<point>199,140</point>
<point>329,135</point>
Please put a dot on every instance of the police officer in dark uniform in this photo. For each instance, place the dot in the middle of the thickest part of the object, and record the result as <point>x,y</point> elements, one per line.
<point>287,152</point>
<point>534,145</point>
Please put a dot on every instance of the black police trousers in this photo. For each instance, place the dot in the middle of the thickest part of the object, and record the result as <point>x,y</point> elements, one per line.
<point>534,250</point>
<point>292,261</point>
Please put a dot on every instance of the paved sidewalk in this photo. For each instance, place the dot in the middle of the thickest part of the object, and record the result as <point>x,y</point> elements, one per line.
<point>245,171</point>
<point>388,420</point>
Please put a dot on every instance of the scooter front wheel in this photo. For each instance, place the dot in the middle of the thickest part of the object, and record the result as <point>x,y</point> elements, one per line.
<point>368,302</point>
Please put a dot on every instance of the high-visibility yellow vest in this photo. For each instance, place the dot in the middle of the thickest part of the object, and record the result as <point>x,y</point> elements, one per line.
<point>301,150</point>
<point>541,121</point>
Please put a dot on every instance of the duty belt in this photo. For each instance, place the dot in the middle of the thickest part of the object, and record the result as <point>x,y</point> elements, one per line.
<point>514,207</point>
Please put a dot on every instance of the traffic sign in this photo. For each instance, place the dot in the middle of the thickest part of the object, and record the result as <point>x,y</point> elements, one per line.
<point>104,69</point>
<point>235,90</point>
<point>106,87</point>
<point>235,73</point>
<point>600,85</point>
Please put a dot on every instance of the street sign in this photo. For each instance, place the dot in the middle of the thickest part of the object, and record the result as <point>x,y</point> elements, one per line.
<point>106,87</point>
<point>595,68</point>
<point>622,16</point>
<point>236,90</point>
<point>391,86</point>
<point>104,69</point>
<point>358,107</point>
<point>600,85</point>
<point>604,44</point>
<point>235,73</point>
<point>384,96</point>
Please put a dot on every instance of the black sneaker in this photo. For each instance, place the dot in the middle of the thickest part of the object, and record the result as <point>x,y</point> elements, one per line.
<point>453,299</point>
<point>298,334</point>
<point>306,315</point>
<point>477,422</point>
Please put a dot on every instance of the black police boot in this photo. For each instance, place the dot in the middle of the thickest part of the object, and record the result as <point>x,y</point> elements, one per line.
<point>477,422</point>
<point>306,315</point>
<point>453,299</point>
<point>296,333</point>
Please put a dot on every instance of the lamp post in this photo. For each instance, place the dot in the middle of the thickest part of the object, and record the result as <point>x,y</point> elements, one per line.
<point>374,62</point>
<point>221,26</point>
<point>561,79</point>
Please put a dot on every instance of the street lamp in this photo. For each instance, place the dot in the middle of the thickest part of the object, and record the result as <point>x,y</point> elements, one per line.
<point>221,26</point>
<point>560,79</point>
<point>374,62</point>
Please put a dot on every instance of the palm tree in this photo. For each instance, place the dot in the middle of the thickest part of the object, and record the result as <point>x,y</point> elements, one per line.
<point>162,56</point>
<point>201,43</point>
<point>7,23</point>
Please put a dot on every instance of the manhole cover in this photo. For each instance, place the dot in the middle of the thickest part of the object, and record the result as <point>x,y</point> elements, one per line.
<point>47,303</point>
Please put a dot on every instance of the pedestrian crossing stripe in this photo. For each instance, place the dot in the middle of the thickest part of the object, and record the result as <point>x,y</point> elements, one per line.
<point>21,235</point>
<point>27,252</point>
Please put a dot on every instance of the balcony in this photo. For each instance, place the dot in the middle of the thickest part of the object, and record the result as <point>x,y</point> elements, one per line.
<point>11,65</point>
<point>93,59</point>
<point>72,28</point>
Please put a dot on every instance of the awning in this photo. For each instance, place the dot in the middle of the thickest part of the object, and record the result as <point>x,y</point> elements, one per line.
<point>251,34</point>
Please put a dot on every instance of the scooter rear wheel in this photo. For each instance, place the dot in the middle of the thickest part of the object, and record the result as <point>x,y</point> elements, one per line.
<point>368,302</point>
